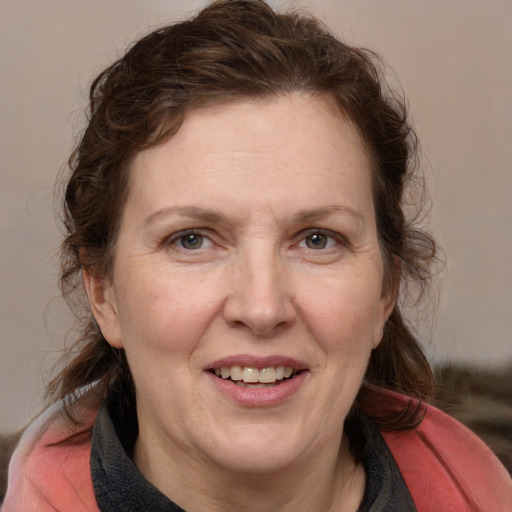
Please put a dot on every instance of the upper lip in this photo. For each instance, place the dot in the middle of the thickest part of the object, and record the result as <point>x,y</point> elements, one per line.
<point>257,362</point>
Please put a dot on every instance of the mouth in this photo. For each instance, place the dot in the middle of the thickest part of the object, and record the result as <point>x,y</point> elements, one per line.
<point>258,382</point>
<point>254,377</point>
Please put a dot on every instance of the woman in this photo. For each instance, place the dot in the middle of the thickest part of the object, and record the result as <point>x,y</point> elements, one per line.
<point>234,215</point>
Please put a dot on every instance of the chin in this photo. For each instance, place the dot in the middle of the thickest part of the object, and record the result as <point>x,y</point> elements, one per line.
<point>259,449</point>
<point>257,463</point>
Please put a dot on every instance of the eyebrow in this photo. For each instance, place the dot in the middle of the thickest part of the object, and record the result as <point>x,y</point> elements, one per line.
<point>193,212</point>
<point>320,213</point>
<point>212,216</point>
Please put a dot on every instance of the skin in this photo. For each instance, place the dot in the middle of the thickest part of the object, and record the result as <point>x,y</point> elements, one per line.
<point>256,179</point>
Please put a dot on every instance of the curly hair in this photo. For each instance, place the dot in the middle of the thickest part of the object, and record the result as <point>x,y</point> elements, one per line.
<point>235,49</point>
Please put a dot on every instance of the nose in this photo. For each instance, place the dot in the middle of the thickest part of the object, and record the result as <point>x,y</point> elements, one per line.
<point>260,297</point>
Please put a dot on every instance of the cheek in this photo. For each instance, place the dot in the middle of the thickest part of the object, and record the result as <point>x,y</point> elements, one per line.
<point>345,316</point>
<point>159,314</point>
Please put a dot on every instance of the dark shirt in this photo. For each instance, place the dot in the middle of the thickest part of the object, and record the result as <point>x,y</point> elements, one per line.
<point>120,487</point>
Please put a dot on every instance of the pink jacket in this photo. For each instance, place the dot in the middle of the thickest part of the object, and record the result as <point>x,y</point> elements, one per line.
<point>445,466</point>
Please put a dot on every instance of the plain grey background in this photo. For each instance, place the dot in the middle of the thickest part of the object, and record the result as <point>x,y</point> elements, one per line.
<point>454,60</point>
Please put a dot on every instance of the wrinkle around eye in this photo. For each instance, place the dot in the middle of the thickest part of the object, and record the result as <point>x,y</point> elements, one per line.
<point>336,248</point>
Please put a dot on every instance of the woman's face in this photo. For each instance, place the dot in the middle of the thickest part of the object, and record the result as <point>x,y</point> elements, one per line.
<point>247,252</point>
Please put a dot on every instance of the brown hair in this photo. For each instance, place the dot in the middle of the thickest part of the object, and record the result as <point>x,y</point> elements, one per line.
<point>234,48</point>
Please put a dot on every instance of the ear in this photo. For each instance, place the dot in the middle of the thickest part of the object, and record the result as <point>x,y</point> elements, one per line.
<point>389,298</point>
<point>100,292</point>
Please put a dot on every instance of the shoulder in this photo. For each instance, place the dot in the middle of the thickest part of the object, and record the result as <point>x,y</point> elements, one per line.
<point>444,464</point>
<point>49,469</point>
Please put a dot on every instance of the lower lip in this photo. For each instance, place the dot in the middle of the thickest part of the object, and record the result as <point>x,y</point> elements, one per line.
<point>259,397</point>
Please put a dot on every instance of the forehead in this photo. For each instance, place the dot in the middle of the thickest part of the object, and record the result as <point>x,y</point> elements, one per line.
<point>257,149</point>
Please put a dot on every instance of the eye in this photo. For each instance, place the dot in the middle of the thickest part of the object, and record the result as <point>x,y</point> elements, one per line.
<point>192,241</point>
<point>318,240</point>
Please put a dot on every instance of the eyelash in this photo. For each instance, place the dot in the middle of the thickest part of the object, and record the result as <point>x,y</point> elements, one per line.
<point>330,235</point>
<point>176,238</point>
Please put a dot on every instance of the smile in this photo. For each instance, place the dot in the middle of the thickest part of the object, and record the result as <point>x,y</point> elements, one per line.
<point>257,382</point>
<point>251,376</point>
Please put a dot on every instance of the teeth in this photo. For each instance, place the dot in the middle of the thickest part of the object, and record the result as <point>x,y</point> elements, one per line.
<point>267,375</point>
<point>237,372</point>
<point>253,375</point>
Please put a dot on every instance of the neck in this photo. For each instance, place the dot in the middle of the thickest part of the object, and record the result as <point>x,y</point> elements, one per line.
<point>328,481</point>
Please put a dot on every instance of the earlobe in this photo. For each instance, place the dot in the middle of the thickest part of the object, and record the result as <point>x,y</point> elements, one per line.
<point>103,305</point>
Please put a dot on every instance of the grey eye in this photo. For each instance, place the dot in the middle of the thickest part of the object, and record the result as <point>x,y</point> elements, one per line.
<point>191,241</point>
<point>317,241</point>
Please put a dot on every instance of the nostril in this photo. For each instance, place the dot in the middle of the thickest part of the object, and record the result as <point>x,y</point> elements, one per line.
<point>263,321</point>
